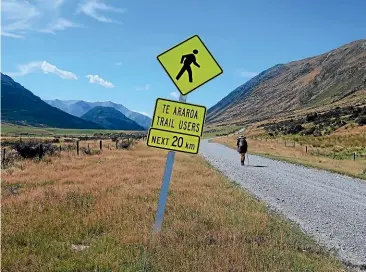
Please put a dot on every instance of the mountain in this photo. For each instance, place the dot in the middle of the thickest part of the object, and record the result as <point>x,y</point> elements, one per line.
<point>80,107</point>
<point>73,107</point>
<point>20,106</point>
<point>110,118</point>
<point>308,83</point>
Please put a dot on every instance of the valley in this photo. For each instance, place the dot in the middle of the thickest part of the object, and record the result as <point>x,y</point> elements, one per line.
<point>80,186</point>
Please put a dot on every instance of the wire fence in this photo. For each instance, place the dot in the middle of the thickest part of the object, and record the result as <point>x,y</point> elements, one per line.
<point>79,147</point>
<point>313,150</point>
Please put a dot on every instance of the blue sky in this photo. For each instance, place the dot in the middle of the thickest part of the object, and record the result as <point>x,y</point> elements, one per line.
<point>99,50</point>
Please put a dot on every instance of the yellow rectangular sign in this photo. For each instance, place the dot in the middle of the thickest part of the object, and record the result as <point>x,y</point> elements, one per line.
<point>179,117</point>
<point>173,141</point>
<point>189,64</point>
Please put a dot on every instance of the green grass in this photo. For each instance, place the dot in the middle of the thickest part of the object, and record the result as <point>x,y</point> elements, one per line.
<point>8,129</point>
<point>345,141</point>
<point>15,130</point>
<point>209,132</point>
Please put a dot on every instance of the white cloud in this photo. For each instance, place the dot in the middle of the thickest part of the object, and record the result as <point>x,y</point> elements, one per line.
<point>49,68</point>
<point>248,74</point>
<point>17,17</point>
<point>42,66</point>
<point>60,24</point>
<point>24,69</point>
<point>21,17</point>
<point>98,80</point>
<point>92,8</point>
<point>12,35</point>
<point>174,94</point>
<point>145,87</point>
<point>59,2</point>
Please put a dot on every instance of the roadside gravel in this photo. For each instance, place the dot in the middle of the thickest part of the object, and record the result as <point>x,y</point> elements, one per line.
<point>329,207</point>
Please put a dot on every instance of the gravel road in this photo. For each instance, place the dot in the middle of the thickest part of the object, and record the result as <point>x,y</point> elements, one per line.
<point>329,207</point>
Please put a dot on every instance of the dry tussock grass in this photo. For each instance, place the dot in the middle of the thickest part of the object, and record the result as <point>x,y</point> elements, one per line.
<point>108,202</point>
<point>276,148</point>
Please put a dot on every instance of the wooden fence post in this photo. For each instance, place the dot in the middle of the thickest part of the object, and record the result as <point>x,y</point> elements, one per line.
<point>116,144</point>
<point>354,156</point>
<point>40,155</point>
<point>60,149</point>
<point>306,149</point>
<point>3,158</point>
<point>88,146</point>
<point>77,147</point>
<point>100,145</point>
<point>294,144</point>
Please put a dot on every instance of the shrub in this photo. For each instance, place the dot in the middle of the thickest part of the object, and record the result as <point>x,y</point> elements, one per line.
<point>90,151</point>
<point>68,147</point>
<point>32,150</point>
<point>311,117</point>
<point>11,156</point>
<point>294,129</point>
<point>361,120</point>
<point>125,145</point>
<point>309,131</point>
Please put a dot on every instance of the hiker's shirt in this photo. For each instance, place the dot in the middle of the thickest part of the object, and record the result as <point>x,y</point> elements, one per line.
<point>242,145</point>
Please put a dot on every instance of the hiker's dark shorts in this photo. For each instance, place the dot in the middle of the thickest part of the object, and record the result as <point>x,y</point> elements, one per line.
<point>242,150</point>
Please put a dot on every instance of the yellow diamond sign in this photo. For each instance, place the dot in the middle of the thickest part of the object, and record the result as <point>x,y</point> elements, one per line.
<point>189,65</point>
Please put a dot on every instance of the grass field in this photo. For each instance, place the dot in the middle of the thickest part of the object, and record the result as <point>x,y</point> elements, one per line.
<point>213,131</point>
<point>108,202</point>
<point>12,130</point>
<point>334,152</point>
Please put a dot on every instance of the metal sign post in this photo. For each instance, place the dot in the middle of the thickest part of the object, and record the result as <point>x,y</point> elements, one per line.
<point>165,184</point>
<point>182,128</point>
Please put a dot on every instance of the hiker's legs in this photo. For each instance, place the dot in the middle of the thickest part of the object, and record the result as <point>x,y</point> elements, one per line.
<point>242,158</point>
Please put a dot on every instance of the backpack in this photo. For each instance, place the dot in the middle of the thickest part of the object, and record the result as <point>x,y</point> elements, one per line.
<point>242,145</point>
<point>241,142</point>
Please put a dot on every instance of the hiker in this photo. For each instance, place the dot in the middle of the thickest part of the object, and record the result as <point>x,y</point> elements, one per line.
<point>242,148</point>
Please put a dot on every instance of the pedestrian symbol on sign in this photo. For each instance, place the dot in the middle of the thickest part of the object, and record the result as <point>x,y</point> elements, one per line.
<point>187,72</point>
<point>188,60</point>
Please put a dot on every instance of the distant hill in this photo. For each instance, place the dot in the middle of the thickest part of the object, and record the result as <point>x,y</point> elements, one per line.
<point>110,118</point>
<point>73,107</point>
<point>80,107</point>
<point>308,83</point>
<point>22,107</point>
